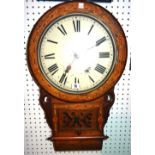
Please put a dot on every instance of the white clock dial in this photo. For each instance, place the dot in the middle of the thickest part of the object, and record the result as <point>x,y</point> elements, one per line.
<point>76,53</point>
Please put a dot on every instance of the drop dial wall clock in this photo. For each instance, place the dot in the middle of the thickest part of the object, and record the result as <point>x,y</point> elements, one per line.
<point>76,53</point>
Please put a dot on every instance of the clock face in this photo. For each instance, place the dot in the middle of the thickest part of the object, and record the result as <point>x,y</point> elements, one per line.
<point>76,53</point>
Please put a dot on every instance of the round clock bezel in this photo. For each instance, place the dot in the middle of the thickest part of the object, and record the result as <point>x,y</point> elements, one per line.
<point>113,61</point>
<point>63,10</point>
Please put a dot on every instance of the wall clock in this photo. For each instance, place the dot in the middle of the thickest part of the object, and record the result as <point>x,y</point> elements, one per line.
<point>76,53</point>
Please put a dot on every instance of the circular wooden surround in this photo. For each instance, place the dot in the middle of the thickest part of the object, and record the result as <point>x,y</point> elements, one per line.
<point>75,7</point>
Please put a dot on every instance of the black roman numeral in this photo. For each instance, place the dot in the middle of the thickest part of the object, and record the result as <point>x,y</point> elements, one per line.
<point>91,78</point>
<point>90,29</point>
<point>76,83</point>
<point>63,78</point>
<point>50,56</point>
<point>99,68</point>
<point>104,54</point>
<point>62,29</point>
<point>98,42</point>
<point>53,69</point>
<point>76,25</point>
<point>51,41</point>
<point>76,80</point>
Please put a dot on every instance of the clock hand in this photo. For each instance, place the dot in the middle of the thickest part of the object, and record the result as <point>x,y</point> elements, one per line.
<point>68,68</point>
<point>87,70</point>
<point>85,51</point>
<point>63,78</point>
<point>98,42</point>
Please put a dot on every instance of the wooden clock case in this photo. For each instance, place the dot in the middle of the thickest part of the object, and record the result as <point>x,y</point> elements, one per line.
<point>77,120</point>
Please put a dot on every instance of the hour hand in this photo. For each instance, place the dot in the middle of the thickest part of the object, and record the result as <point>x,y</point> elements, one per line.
<point>63,78</point>
<point>68,68</point>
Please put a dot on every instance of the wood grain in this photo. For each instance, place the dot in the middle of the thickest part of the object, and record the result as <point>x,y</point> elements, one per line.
<point>68,8</point>
<point>86,114</point>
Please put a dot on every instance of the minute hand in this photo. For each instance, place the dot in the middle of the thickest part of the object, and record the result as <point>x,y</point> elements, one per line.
<point>98,42</point>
